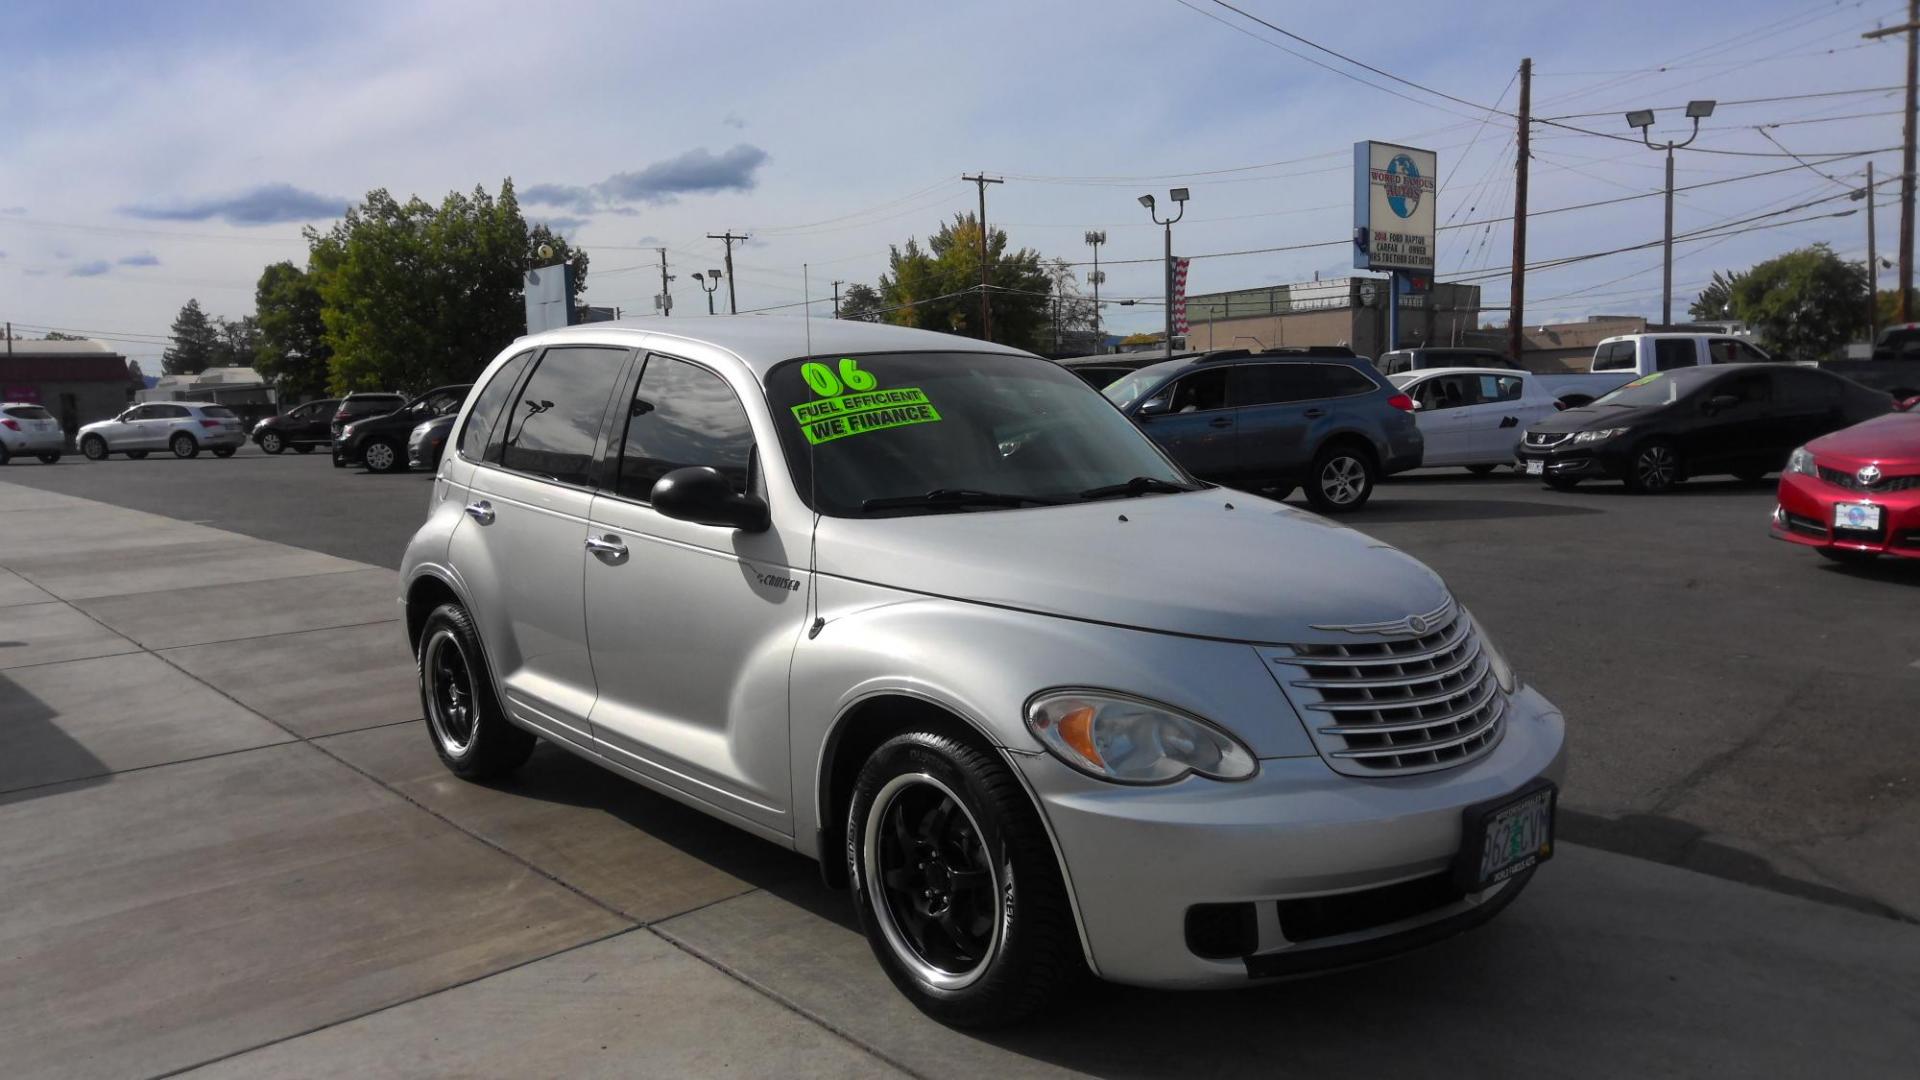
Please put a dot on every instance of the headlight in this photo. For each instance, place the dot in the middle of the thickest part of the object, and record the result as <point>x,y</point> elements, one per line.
<point>1802,462</point>
<point>1597,436</point>
<point>1129,740</point>
<point>1496,661</point>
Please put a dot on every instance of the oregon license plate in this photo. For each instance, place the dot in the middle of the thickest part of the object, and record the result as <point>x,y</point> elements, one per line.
<point>1505,837</point>
<point>1862,516</point>
<point>1536,467</point>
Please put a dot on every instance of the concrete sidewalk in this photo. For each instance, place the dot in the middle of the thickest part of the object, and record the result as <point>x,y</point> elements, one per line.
<point>225,843</point>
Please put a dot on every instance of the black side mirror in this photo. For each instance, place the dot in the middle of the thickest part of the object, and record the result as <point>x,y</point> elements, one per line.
<point>1721,403</point>
<point>701,495</point>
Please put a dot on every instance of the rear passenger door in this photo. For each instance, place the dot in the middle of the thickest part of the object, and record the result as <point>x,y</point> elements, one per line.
<point>520,547</point>
<point>1501,414</point>
<point>1275,432</point>
<point>692,625</point>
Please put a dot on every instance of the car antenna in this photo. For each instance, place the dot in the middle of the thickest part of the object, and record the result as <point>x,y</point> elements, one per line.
<point>813,473</point>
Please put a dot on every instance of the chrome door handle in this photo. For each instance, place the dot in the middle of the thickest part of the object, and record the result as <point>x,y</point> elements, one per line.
<point>608,549</point>
<point>481,511</point>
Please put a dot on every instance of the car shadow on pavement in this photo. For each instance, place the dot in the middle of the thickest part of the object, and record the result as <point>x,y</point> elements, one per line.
<point>36,757</point>
<point>1889,569</point>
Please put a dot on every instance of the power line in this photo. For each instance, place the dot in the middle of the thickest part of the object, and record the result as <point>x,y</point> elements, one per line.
<point>1740,101</point>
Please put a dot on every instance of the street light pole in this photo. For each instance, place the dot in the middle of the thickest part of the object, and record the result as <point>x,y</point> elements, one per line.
<point>710,282</point>
<point>1096,237</point>
<point>1643,119</point>
<point>1179,196</point>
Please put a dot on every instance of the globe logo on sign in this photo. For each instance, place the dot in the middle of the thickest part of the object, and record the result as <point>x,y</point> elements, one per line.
<point>1403,185</point>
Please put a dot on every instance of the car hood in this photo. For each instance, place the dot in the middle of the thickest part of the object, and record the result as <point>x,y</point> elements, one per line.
<point>1214,563</point>
<point>1589,417</point>
<point>97,425</point>
<point>1893,439</point>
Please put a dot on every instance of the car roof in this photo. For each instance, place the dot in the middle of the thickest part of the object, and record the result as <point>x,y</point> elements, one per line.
<point>763,341</point>
<point>371,393</point>
<point>1429,371</point>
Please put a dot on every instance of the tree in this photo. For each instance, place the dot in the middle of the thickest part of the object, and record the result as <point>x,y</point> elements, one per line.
<point>1806,303</point>
<point>194,341</point>
<point>413,294</point>
<point>937,287</point>
<point>293,352</point>
<point>861,302</point>
<point>239,341</point>
<point>55,335</point>
<point>1716,300</point>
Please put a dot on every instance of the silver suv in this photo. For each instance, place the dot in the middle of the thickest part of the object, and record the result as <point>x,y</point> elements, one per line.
<point>28,428</point>
<point>181,428</point>
<point>936,614</point>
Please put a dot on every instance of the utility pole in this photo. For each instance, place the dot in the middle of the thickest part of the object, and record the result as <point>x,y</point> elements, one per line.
<point>1873,266</point>
<point>1517,292</point>
<point>666,298</point>
<point>733,304</point>
<point>836,299</point>
<point>1912,29</point>
<point>986,311</point>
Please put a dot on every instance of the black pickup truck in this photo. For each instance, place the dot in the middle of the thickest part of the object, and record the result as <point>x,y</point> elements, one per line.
<point>1895,367</point>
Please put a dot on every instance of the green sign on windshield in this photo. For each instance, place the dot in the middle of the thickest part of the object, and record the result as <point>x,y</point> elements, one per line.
<point>839,414</point>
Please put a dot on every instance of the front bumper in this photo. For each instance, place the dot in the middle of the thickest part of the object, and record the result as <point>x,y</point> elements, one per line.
<point>424,453</point>
<point>1804,515</point>
<point>1606,460</point>
<point>1137,859</point>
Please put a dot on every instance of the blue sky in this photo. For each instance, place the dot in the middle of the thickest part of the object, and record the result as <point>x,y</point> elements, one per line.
<point>155,156</point>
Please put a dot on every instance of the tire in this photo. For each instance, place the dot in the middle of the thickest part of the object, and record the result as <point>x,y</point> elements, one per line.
<point>137,455</point>
<point>469,731</point>
<point>183,445</point>
<point>1342,478</point>
<point>5,455</point>
<point>339,462</point>
<point>95,448</point>
<point>381,456</point>
<point>302,448</point>
<point>1482,470</point>
<point>49,459</point>
<point>1654,468</point>
<point>1562,483</point>
<point>224,452</point>
<point>272,443</point>
<point>971,956</point>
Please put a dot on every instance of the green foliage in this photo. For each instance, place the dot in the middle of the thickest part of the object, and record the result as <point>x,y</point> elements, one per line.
<point>55,335</point>
<point>1804,304</point>
<point>195,340</point>
<point>937,287</point>
<point>238,342</point>
<point>861,302</point>
<point>293,352</point>
<point>1715,302</point>
<point>414,295</point>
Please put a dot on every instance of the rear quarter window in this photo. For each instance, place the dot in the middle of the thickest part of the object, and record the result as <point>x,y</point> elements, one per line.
<point>218,410</point>
<point>1337,380</point>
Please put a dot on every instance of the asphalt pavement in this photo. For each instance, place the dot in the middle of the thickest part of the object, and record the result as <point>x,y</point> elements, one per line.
<point>226,844</point>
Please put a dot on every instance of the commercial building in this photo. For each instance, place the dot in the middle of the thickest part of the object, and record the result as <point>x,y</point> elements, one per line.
<point>238,388</point>
<point>1347,311</point>
<point>78,381</point>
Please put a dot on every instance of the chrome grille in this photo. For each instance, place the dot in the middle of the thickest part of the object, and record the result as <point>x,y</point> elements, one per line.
<point>1547,438</point>
<point>1400,705</point>
<point>1852,483</point>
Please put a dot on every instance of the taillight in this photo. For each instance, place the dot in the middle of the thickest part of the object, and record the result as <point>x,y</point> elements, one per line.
<point>10,425</point>
<point>1401,402</point>
<point>209,423</point>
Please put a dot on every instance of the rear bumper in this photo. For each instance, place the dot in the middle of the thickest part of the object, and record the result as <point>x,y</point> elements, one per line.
<point>1804,516</point>
<point>32,442</point>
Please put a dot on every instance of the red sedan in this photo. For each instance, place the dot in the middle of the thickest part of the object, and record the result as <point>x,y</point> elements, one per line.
<point>1855,493</point>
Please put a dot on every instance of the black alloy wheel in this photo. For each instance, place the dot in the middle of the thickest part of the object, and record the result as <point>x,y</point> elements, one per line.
<point>1655,468</point>
<point>469,730</point>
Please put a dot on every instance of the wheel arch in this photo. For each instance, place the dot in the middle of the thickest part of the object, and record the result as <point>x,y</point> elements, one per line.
<point>425,592</point>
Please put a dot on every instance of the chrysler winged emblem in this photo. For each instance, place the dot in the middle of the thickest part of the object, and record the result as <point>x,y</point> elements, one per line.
<point>1868,475</point>
<point>1416,624</point>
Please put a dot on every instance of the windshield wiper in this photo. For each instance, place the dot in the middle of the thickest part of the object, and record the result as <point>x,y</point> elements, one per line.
<point>1139,485</point>
<point>953,499</point>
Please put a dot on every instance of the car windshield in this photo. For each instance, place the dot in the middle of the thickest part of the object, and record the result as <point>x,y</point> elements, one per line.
<point>951,431</point>
<point>1659,388</point>
<point>1131,387</point>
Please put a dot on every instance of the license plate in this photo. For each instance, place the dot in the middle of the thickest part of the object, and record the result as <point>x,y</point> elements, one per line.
<point>1536,467</point>
<point>1864,517</point>
<point>1505,837</point>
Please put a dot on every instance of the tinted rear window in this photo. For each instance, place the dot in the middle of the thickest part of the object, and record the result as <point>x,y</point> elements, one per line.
<point>29,412</point>
<point>366,405</point>
<point>216,410</point>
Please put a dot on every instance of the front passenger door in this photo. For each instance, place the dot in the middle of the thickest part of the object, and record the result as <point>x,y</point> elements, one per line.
<point>520,547</point>
<point>1446,417</point>
<point>1197,427</point>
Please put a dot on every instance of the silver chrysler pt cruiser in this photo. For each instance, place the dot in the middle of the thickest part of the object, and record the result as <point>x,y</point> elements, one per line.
<point>933,612</point>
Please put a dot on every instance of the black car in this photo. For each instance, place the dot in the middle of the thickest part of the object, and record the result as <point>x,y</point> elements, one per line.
<point>300,428</point>
<point>1400,361</point>
<point>1271,420</point>
<point>381,441</point>
<point>1100,370</point>
<point>428,441</point>
<point>1741,420</point>
<point>361,404</point>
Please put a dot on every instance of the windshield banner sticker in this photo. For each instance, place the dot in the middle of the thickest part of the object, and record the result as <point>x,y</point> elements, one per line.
<point>840,414</point>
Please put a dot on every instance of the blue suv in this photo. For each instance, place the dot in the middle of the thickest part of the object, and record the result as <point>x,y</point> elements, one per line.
<point>1269,421</point>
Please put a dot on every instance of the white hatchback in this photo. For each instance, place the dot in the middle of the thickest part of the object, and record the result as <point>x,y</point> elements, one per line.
<point>26,428</point>
<point>1474,416</point>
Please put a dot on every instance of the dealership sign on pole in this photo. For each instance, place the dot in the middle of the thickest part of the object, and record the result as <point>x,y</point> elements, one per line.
<point>1393,204</point>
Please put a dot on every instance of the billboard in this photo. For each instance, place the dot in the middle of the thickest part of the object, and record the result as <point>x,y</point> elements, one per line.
<point>1393,207</point>
<point>549,296</point>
